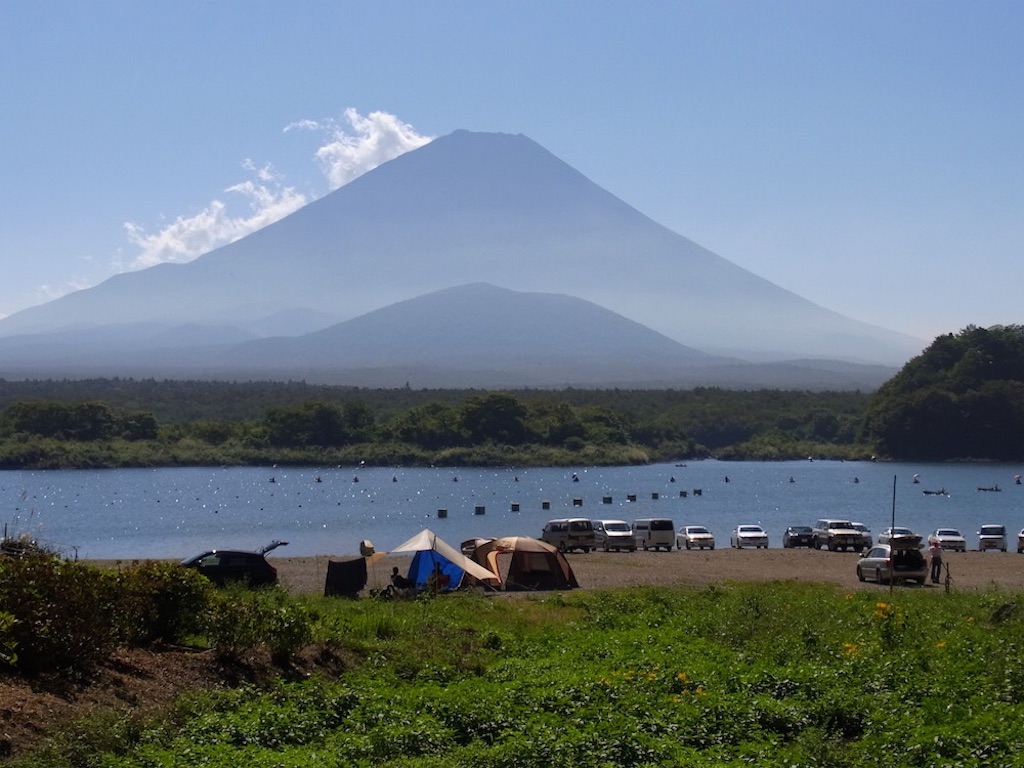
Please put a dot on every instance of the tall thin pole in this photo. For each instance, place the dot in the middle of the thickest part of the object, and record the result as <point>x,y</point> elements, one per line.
<point>892,575</point>
<point>894,501</point>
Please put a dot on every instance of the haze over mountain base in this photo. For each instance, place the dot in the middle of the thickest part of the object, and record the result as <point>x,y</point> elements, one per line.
<point>476,260</point>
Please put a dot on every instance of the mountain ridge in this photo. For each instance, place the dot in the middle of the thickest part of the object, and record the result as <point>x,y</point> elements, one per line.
<point>469,208</point>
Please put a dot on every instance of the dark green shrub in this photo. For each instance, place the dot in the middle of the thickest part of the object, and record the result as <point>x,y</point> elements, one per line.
<point>8,655</point>
<point>161,601</point>
<point>240,622</point>
<point>63,614</point>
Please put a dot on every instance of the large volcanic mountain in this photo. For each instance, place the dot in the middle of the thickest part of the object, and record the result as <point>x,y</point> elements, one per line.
<point>467,208</point>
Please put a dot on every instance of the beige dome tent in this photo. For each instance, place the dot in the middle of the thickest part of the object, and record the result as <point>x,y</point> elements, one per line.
<point>532,564</point>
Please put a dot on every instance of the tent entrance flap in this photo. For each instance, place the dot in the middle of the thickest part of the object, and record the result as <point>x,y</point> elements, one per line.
<point>532,564</point>
<point>431,570</point>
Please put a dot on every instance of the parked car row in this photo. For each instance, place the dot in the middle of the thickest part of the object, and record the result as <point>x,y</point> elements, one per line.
<point>659,533</point>
<point>990,536</point>
<point>571,533</point>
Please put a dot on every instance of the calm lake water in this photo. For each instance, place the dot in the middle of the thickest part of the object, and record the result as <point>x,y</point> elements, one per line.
<point>173,513</point>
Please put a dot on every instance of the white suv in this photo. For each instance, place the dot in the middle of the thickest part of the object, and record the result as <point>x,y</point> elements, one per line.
<point>837,534</point>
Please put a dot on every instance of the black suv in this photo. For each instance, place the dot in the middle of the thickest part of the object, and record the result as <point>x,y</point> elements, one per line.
<point>798,536</point>
<point>228,566</point>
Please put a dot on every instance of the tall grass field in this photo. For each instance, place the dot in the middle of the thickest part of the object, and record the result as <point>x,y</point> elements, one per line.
<point>780,674</point>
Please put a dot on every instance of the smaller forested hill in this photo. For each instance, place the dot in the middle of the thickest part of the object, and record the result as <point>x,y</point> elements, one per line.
<point>962,398</point>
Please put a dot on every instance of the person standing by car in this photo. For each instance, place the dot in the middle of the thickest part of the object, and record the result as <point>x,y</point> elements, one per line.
<point>936,553</point>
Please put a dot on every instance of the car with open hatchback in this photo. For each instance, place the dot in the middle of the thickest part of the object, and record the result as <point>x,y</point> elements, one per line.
<point>235,566</point>
<point>897,562</point>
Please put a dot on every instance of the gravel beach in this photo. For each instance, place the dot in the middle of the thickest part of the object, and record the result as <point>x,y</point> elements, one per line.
<point>601,570</point>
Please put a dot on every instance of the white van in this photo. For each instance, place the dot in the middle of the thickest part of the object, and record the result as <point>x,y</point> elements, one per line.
<point>654,533</point>
<point>613,534</point>
<point>569,533</point>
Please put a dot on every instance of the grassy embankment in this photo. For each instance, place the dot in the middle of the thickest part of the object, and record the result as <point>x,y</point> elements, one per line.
<point>778,674</point>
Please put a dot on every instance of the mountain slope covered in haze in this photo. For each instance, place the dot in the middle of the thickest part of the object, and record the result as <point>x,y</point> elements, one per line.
<point>470,208</point>
<point>475,335</point>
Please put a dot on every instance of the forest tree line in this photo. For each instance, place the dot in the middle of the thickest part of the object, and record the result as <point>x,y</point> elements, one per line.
<point>268,423</point>
<point>962,398</point>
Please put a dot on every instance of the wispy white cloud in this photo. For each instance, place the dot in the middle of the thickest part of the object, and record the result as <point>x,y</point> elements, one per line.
<point>47,292</point>
<point>374,139</point>
<point>353,147</point>
<point>187,237</point>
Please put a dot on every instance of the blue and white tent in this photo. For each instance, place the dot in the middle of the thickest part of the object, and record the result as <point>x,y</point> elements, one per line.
<point>438,565</point>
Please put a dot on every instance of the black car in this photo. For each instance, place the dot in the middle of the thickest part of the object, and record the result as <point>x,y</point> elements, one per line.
<point>228,566</point>
<point>798,536</point>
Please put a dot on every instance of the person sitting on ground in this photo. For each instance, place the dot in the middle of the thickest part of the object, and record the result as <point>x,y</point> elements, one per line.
<point>398,581</point>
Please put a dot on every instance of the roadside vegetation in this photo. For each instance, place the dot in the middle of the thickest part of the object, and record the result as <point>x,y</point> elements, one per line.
<point>776,674</point>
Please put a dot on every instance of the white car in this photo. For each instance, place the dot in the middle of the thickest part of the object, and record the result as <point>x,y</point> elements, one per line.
<point>748,536</point>
<point>889,534</point>
<point>695,536</point>
<point>948,538</point>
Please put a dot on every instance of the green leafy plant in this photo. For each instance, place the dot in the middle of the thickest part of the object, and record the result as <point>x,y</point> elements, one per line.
<point>161,601</point>
<point>240,621</point>
<point>63,615</point>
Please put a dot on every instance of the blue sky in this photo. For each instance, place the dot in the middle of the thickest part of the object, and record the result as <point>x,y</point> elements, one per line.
<point>866,155</point>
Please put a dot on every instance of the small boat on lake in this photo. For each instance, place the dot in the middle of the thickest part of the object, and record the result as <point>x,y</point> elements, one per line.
<point>989,487</point>
<point>940,492</point>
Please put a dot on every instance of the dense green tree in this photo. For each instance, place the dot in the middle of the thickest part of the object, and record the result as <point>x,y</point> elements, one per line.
<point>963,397</point>
<point>496,418</point>
<point>433,426</point>
<point>206,422</point>
<point>554,422</point>
<point>604,426</point>
<point>359,421</point>
<point>68,421</point>
<point>310,424</point>
<point>138,426</point>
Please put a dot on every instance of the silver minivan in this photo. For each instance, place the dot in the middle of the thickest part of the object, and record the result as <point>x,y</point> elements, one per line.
<point>614,534</point>
<point>992,537</point>
<point>569,533</point>
<point>654,533</point>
